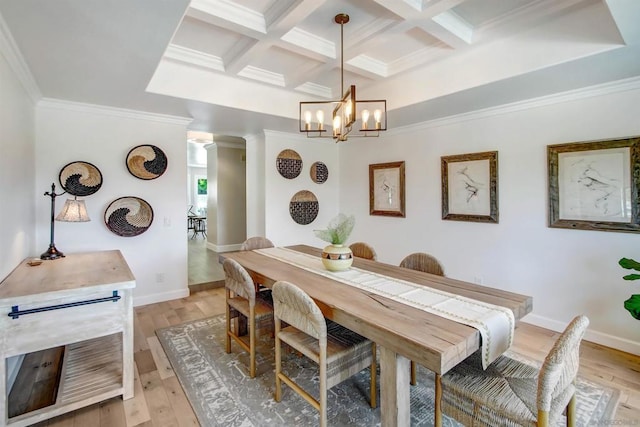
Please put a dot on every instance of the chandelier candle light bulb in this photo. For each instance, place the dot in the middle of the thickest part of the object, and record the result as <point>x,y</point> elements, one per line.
<point>336,126</point>
<point>320,117</point>
<point>377,115</point>
<point>365,118</point>
<point>307,120</point>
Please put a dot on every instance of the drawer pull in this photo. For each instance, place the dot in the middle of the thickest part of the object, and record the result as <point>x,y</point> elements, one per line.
<point>15,312</point>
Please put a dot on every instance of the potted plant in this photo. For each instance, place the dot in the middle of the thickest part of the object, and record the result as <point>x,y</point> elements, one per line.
<point>336,256</point>
<point>633,303</point>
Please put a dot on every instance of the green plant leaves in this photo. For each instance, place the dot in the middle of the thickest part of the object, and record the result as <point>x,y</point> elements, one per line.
<point>338,230</point>
<point>633,306</point>
<point>629,264</point>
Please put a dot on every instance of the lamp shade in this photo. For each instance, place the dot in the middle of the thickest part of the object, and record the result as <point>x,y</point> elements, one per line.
<point>73,211</point>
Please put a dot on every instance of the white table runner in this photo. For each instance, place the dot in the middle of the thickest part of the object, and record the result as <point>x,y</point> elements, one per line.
<point>495,323</point>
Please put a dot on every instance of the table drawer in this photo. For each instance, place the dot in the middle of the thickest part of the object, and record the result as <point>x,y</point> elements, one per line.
<point>71,322</point>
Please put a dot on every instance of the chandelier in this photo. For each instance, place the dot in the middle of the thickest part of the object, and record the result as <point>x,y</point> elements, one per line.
<point>349,116</point>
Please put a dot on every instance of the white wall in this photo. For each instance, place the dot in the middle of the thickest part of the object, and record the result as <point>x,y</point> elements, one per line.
<point>17,140</point>
<point>566,271</point>
<point>68,132</point>
<point>255,145</point>
<point>231,199</point>
<point>279,226</point>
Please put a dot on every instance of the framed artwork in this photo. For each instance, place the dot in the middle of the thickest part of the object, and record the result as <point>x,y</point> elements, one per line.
<point>386,189</point>
<point>202,185</point>
<point>594,185</point>
<point>470,187</point>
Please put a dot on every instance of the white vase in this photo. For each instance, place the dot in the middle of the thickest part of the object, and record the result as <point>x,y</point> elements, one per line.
<point>337,257</point>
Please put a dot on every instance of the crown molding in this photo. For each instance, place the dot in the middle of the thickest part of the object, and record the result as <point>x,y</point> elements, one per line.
<point>58,104</point>
<point>232,12</point>
<point>311,42</point>
<point>194,57</point>
<point>370,64</point>
<point>623,85</point>
<point>12,54</point>
<point>261,75</point>
<point>315,89</point>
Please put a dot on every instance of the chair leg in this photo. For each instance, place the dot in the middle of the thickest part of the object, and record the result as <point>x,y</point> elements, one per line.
<point>227,346</point>
<point>323,386</point>
<point>571,412</point>
<point>374,374</point>
<point>413,373</point>
<point>543,418</point>
<point>252,342</point>
<point>276,326</point>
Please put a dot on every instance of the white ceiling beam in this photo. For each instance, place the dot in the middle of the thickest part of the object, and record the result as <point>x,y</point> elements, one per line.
<point>226,14</point>
<point>262,75</point>
<point>282,18</point>
<point>626,14</point>
<point>451,29</point>
<point>194,57</point>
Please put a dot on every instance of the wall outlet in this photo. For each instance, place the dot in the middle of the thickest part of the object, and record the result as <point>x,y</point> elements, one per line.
<point>159,277</point>
<point>167,221</point>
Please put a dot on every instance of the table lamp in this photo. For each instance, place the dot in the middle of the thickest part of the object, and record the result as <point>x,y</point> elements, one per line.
<point>74,210</point>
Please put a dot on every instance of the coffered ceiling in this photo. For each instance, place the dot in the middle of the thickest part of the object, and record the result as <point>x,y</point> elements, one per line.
<point>241,66</point>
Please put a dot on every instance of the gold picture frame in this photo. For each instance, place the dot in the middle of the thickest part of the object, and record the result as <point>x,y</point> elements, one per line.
<point>594,185</point>
<point>470,187</point>
<point>386,189</point>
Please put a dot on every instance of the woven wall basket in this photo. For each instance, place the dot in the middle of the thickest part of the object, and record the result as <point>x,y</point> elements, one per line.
<point>146,162</point>
<point>128,216</point>
<point>80,178</point>
<point>304,207</point>
<point>289,164</point>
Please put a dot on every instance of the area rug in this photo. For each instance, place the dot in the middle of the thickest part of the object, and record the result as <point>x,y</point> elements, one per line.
<point>221,393</point>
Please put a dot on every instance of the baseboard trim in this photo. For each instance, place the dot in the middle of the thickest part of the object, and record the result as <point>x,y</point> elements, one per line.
<point>206,286</point>
<point>606,340</point>
<point>160,297</point>
<point>224,248</point>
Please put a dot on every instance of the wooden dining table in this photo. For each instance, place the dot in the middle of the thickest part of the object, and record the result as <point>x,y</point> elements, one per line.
<point>402,332</point>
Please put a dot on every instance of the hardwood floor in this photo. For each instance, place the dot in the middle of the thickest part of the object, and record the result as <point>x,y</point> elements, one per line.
<point>203,265</point>
<point>160,401</point>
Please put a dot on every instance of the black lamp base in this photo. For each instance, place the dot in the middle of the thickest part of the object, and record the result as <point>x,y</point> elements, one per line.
<point>52,253</point>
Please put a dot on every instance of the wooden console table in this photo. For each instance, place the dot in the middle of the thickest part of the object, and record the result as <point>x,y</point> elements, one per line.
<point>83,302</point>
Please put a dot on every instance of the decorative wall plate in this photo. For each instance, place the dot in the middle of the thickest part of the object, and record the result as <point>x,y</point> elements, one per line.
<point>146,162</point>
<point>319,172</point>
<point>304,207</point>
<point>128,216</point>
<point>289,164</point>
<point>80,178</point>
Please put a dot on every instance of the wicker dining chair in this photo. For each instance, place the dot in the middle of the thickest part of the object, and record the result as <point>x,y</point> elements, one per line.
<point>512,393</point>
<point>256,243</point>
<point>363,250</point>
<point>339,352</point>
<point>421,261</point>
<point>241,299</point>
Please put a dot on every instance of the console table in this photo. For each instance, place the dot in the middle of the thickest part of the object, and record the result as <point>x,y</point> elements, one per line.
<point>83,302</point>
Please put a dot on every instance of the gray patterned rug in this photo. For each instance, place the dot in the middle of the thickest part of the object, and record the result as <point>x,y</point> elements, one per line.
<point>222,394</point>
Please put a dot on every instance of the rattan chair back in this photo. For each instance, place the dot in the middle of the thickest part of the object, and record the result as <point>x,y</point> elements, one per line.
<point>421,261</point>
<point>363,250</point>
<point>256,243</point>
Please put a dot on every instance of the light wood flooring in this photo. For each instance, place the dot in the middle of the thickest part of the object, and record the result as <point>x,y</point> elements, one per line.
<point>160,401</point>
<point>203,265</point>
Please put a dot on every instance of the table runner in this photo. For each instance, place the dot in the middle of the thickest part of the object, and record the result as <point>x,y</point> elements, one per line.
<point>495,323</point>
